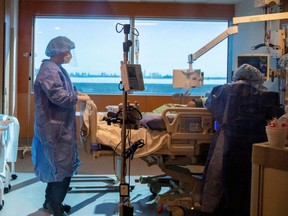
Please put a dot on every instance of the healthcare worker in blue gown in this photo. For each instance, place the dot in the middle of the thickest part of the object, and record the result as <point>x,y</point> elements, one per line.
<point>54,147</point>
<point>242,109</point>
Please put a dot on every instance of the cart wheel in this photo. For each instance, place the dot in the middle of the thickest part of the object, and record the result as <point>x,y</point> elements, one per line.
<point>6,190</point>
<point>14,176</point>
<point>1,206</point>
<point>154,189</point>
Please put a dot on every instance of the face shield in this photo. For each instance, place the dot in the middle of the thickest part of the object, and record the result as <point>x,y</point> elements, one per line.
<point>73,60</point>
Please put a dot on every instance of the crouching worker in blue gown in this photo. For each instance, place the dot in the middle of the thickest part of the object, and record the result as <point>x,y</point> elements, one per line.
<point>54,147</point>
<point>242,109</point>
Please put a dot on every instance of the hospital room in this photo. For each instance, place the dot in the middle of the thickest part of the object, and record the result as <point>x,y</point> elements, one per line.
<point>145,107</point>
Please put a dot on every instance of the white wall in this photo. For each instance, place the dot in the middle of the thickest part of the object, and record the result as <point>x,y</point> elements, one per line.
<point>250,34</point>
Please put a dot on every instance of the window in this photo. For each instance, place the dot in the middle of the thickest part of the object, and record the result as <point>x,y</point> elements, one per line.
<point>164,45</point>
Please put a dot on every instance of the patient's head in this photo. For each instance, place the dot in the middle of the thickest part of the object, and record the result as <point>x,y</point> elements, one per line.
<point>191,104</point>
<point>250,74</point>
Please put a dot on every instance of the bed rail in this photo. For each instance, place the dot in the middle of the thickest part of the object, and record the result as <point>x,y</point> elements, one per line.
<point>88,124</point>
<point>189,128</point>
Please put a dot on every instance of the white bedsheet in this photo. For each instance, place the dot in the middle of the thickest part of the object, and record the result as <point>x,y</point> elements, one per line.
<point>184,135</point>
<point>110,135</point>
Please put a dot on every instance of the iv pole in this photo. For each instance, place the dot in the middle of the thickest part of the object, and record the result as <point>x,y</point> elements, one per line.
<point>124,187</point>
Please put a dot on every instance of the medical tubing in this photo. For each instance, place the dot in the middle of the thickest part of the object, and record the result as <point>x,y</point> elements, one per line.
<point>133,148</point>
<point>275,47</point>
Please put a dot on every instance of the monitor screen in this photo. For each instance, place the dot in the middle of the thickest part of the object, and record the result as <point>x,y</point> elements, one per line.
<point>260,61</point>
<point>132,77</point>
<point>186,79</point>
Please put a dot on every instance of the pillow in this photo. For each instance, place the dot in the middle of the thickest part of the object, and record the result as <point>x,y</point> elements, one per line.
<point>154,121</point>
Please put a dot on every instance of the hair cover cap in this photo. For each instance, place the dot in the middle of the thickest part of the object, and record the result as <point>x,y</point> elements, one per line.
<point>59,45</point>
<point>248,73</point>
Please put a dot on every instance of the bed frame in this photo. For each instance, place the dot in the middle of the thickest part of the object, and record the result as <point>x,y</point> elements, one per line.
<point>189,135</point>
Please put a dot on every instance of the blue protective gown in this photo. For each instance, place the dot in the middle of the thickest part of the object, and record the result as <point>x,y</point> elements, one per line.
<point>54,147</point>
<point>242,112</point>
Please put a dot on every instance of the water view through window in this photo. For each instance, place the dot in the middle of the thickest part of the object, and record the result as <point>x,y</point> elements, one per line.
<point>162,45</point>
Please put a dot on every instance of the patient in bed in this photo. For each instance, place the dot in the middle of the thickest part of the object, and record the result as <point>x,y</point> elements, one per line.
<point>196,102</point>
<point>242,109</point>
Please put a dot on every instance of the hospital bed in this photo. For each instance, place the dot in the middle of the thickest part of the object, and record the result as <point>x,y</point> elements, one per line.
<point>175,140</point>
<point>9,135</point>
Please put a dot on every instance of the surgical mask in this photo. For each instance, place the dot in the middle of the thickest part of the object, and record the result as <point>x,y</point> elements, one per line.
<point>67,58</point>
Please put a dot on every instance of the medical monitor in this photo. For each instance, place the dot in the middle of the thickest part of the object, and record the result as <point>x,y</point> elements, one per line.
<point>132,78</point>
<point>260,61</point>
<point>187,79</point>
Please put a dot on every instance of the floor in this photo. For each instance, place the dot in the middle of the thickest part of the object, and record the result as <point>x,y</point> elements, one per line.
<point>94,189</point>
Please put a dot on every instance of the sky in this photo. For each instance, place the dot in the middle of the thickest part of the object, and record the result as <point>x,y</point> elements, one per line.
<point>164,45</point>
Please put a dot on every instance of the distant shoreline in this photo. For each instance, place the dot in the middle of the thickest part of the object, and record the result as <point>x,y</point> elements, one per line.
<point>150,88</point>
<point>111,79</point>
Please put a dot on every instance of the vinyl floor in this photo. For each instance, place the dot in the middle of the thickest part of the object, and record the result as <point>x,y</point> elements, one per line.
<point>94,189</point>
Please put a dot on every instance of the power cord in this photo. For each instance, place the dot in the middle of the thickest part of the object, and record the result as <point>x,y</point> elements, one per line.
<point>129,153</point>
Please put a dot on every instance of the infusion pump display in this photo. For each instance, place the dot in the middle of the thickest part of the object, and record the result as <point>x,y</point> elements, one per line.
<point>132,78</point>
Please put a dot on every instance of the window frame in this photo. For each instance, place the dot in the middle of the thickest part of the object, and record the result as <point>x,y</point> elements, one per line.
<point>132,38</point>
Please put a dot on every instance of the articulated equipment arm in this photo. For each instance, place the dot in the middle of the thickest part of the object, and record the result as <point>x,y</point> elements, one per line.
<point>231,30</point>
